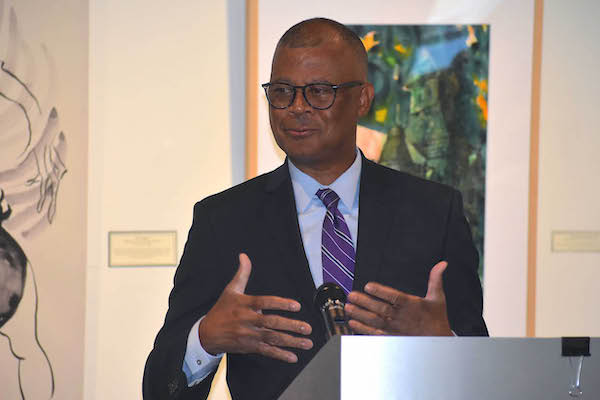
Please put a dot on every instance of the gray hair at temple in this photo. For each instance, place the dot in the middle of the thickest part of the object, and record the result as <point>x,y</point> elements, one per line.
<point>316,31</point>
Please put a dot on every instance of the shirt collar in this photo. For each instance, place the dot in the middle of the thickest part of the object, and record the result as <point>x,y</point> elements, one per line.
<point>346,185</point>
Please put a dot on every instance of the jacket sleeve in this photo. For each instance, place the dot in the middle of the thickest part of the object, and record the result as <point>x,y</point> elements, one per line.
<point>462,286</point>
<point>199,281</point>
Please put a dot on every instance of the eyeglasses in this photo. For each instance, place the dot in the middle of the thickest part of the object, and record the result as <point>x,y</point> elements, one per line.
<point>318,95</point>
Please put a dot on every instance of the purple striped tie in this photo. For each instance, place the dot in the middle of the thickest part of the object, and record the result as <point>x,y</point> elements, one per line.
<point>337,250</point>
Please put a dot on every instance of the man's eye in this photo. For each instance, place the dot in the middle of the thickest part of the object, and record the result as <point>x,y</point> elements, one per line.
<point>320,90</point>
<point>281,90</point>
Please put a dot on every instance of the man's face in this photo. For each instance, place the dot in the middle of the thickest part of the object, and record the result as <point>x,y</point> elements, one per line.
<point>319,138</point>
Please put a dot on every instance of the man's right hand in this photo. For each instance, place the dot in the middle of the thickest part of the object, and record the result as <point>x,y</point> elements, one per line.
<point>236,324</point>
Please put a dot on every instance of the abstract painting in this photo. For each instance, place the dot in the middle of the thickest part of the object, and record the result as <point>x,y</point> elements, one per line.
<point>429,114</point>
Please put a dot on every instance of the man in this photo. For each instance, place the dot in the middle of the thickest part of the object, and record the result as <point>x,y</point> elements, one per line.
<point>256,252</point>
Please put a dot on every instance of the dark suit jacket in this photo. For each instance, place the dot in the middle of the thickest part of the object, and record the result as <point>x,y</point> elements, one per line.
<point>406,225</point>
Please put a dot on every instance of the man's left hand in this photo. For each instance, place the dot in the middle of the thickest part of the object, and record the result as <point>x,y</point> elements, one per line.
<point>387,311</point>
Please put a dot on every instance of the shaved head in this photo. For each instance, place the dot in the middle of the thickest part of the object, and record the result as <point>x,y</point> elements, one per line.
<point>318,31</point>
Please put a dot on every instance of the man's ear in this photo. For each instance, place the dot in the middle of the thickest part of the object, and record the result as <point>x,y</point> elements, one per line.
<point>367,92</point>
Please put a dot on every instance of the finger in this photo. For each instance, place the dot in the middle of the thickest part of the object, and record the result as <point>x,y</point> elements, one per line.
<point>280,339</point>
<point>362,329</point>
<point>284,324</point>
<point>274,303</point>
<point>390,295</point>
<point>367,317</point>
<point>276,353</point>
<point>381,308</point>
<point>435,287</point>
<point>240,280</point>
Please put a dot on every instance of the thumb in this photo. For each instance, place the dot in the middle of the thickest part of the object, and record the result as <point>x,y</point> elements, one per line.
<point>240,280</point>
<point>435,287</point>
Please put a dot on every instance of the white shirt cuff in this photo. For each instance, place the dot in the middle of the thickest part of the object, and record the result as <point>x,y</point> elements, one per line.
<point>198,363</point>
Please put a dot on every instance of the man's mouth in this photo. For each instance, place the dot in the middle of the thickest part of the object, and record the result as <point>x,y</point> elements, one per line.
<point>299,131</point>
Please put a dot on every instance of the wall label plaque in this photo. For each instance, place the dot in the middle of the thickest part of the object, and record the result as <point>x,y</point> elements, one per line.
<point>576,241</point>
<point>142,248</point>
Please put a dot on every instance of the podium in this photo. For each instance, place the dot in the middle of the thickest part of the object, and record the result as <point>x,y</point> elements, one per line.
<point>445,368</point>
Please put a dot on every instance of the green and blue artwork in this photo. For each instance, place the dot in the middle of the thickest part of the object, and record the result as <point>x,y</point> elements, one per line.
<point>429,114</point>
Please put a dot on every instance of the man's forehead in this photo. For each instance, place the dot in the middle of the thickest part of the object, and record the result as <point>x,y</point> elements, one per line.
<point>324,52</point>
<point>324,63</point>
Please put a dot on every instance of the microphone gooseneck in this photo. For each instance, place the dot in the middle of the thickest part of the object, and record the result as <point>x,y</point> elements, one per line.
<point>329,301</point>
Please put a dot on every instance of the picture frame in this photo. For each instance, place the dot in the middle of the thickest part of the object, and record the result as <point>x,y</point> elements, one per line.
<point>513,98</point>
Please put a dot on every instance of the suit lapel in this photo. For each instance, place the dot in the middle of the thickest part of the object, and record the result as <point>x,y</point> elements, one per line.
<point>281,221</point>
<point>378,204</point>
<point>375,220</point>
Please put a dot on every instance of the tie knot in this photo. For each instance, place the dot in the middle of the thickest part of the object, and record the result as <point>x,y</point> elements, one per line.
<point>328,197</point>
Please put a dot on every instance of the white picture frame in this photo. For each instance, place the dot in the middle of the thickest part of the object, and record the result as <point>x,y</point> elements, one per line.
<point>509,122</point>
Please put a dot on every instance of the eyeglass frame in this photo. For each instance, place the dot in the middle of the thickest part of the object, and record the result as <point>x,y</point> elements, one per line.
<point>349,84</point>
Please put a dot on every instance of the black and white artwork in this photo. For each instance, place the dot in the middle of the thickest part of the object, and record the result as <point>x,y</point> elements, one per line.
<point>32,165</point>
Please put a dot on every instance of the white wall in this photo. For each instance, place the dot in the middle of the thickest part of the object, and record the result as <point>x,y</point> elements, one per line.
<point>569,172</point>
<point>160,119</point>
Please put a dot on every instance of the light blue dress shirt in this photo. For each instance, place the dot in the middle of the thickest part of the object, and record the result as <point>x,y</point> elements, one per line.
<point>198,364</point>
<point>311,211</point>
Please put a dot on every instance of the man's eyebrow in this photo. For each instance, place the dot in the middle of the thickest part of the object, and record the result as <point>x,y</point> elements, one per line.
<point>282,80</point>
<point>322,82</point>
<point>312,82</point>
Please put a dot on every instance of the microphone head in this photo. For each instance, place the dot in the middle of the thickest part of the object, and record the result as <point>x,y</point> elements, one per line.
<point>328,291</point>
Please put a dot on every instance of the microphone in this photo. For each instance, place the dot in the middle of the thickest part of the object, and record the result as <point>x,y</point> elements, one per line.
<point>329,301</point>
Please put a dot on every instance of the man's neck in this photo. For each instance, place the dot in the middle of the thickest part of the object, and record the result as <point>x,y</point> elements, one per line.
<point>326,174</point>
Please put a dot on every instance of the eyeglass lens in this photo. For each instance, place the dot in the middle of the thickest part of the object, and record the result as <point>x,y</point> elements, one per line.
<point>281,95</point>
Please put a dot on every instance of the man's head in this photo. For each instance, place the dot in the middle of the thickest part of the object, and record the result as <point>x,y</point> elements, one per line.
<point>320,51</point>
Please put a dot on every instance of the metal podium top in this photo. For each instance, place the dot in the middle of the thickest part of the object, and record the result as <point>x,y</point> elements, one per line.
<point>463,368</point>
<point>436,368</point>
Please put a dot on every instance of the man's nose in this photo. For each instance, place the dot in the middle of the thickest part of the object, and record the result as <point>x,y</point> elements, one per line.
<point>299,105</point>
